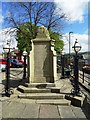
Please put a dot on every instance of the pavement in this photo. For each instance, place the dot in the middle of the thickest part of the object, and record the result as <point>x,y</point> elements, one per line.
<point>30,110</point>
<point>16,108</point>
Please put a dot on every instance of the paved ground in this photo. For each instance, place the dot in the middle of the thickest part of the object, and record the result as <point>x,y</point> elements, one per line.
<point>29,110</point>
<point>14,107</point>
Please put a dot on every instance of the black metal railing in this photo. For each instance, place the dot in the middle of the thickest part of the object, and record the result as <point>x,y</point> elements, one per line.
<point>84,77</point>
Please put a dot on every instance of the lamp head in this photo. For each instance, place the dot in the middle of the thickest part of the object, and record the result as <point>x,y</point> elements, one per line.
<point>6,48</point>
<point>24,52</point>
<point>76,46</point>
<point>70,32</point>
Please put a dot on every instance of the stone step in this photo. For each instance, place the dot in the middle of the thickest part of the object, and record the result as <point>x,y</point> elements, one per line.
<point>40,85</point>
<point>54,89</point>
<point>55,102</point>
<point>33,90</point>
<point>42,96</point>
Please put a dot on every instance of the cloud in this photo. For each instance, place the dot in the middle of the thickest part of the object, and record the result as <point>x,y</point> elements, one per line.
<point>7,35</point>
<point>87,31</point>
<point>82,40</point>
<point>73,9</point>
<point>1,18</point>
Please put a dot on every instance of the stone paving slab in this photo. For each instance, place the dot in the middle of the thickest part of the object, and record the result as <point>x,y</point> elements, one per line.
<point>65,87</point>
<point>86,110</point>
<point>48,111</point>
<point>30,111</point>
<point>12,109</point>
<point>78,112</point>
<point>66,112</point>
<point>0,110</point>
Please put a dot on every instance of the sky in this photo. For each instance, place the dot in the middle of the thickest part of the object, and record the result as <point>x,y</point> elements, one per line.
<point>76,22</point>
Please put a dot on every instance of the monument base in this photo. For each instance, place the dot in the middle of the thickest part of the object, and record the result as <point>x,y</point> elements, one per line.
<point>41,79</point>
<point>40,85</point>
<point>78,101</point>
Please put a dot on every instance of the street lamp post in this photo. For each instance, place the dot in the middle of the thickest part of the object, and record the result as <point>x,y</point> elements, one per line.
<point>7,50</point>
<point>69,45</point>
<point>24,73</point>
<point>77,48</point>
<point>62,65</point>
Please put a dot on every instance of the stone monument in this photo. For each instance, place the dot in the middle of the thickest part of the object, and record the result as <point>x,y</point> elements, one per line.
<point>43,62</point>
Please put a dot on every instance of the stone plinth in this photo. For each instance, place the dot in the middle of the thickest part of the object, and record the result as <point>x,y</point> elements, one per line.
<point>78,101</point>
<point>42,59</point>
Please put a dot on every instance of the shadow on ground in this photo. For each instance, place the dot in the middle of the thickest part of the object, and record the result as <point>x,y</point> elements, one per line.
<point>12,84</point>
<point>86,110</point>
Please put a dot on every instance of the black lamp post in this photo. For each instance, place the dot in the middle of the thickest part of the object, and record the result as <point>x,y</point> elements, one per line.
<point>69,45</point>
<point>7,50</point>
<point>62,65</point>
<point>77,48</point>
<point>24,73</point>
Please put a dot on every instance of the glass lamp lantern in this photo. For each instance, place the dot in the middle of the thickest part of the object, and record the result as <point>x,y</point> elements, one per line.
<point>24,53</point>
<point>6,48</point>
<point>76,47</point>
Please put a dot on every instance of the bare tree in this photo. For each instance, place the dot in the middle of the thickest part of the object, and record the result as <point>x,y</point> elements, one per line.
<point>37,13</point>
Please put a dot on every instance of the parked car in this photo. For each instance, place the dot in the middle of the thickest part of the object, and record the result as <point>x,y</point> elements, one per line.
<point>21,62</point>
<point>15,63</point>
<point>3,63</point>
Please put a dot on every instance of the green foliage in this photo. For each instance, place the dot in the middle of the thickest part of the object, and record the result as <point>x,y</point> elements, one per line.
<point>58,42</point>
<point>28,32</point>
<point>24,36</point>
